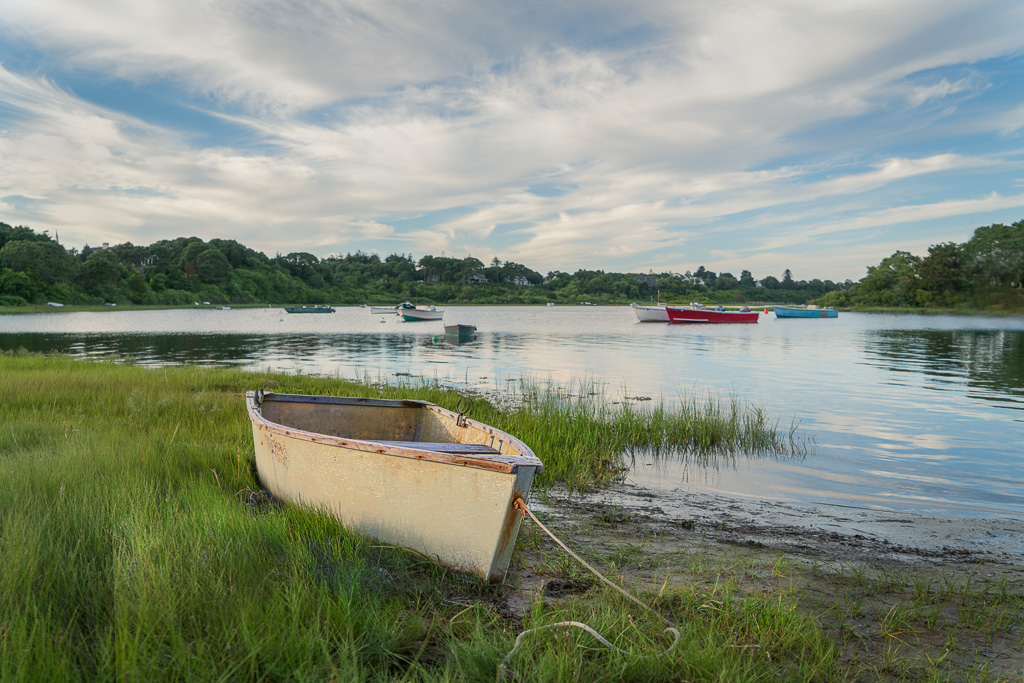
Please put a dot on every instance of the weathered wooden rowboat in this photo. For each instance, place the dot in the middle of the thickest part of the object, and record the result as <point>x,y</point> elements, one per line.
<point>408,473</point>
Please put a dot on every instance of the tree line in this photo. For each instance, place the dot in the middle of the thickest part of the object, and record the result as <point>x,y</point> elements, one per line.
<point>35,269</point>
<point>984,272</point>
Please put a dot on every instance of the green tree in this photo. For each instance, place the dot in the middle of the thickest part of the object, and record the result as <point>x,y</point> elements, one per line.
<point>727,281</point>
<point>17,285</point>
<point>101,273</point>
<point>302,265</point>
<point>190,253</point>
<point>995,254</point>
<point>941,275</point>
<point>41,260</point>
<point>20,234</point>
<point>212,267</point>
<point>893,282</point>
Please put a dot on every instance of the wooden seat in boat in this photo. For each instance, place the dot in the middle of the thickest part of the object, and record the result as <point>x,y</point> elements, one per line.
<point>454,448</point>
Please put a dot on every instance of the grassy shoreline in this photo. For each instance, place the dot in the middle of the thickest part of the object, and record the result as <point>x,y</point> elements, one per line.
<point>137,545</point>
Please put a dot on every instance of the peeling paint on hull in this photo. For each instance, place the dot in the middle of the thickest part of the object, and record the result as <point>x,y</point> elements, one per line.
<point>408,473</point>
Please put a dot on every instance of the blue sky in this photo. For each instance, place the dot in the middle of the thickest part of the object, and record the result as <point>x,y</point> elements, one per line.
<point>655,135</point>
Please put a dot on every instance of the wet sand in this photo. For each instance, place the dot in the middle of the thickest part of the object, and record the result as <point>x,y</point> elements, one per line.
<point>828,532</point>
<point>846,567</point>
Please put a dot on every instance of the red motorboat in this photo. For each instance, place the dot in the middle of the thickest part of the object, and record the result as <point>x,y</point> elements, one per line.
<point>699,314</point>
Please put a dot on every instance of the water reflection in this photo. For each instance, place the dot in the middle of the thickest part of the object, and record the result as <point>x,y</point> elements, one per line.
<point>989,362</point>
<point>906,412</point>
<point>150,349</point>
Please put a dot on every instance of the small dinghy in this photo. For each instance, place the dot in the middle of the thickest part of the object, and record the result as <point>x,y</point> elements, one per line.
<point>409,473</point>
<point>460,330</point>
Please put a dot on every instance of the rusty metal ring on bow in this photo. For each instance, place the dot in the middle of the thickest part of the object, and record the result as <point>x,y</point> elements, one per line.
<point>463,407</point>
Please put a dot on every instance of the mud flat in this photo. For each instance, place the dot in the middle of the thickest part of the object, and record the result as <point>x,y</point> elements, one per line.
<point>901,595</point>
<point>820,531</point>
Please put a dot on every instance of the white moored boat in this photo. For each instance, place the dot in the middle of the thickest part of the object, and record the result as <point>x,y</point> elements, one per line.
<point>650,314</point>
<point>412,313</point>
<point>409,473</point>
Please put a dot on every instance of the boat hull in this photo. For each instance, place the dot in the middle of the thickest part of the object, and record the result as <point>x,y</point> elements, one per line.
<point>414,315</point>
<point>394,484</point>
<point>309,309</point>
<point>382,310</point>
<point>786,312</point>
<point>459,330</point>
<point>707,315</point>
<point>650,314</point>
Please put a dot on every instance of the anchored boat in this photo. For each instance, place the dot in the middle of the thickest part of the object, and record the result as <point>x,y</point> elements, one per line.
<point>309,309</point>
<point>805,312</point>
<point>408,473</point>
<point>412,313</point>
<point>700,314</point>
<point>459,330</point>
<point>650,314</point>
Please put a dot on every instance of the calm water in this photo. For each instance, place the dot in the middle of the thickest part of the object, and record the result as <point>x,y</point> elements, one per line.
<point>915,413</point>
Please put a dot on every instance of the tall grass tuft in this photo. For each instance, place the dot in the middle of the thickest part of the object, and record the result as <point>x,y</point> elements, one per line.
<point>586,440</point>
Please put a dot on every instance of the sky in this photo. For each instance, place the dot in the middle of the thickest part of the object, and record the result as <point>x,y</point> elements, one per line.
<point>653,135</point>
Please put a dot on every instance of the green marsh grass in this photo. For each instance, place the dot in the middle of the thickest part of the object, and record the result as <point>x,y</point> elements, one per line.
<point>586,440</point>
<point>136,545</point>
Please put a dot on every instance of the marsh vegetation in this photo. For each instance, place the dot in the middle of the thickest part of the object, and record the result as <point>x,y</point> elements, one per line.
<point>137,544</point>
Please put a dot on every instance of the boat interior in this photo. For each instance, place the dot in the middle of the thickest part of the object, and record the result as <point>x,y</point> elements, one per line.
<point>408,424</point>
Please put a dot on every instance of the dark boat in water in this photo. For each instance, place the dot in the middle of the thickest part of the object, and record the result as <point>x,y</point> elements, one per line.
<point>459,330</point>
<point>309,309</point>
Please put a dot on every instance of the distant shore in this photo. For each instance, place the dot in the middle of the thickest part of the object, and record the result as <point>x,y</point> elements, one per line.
<point>95,308</point>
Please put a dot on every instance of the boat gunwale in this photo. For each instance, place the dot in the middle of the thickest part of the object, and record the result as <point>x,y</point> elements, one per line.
<point>508,464</point>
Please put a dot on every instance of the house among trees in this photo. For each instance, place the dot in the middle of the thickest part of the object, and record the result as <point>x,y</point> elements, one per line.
<point>691,279</point>
<point>648,280</point>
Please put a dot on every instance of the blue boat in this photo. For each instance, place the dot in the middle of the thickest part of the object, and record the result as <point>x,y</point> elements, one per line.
<point>805,312</point>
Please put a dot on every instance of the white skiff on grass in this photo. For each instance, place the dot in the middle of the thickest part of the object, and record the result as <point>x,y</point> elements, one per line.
<point>409,473</point>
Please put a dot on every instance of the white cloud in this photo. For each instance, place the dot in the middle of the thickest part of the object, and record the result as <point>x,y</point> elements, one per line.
<point>921,94</point>
<point>1011,122</point>
<point>661,122</point>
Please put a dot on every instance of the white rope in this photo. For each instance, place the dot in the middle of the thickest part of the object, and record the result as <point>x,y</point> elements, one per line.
<point>503,669</point>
